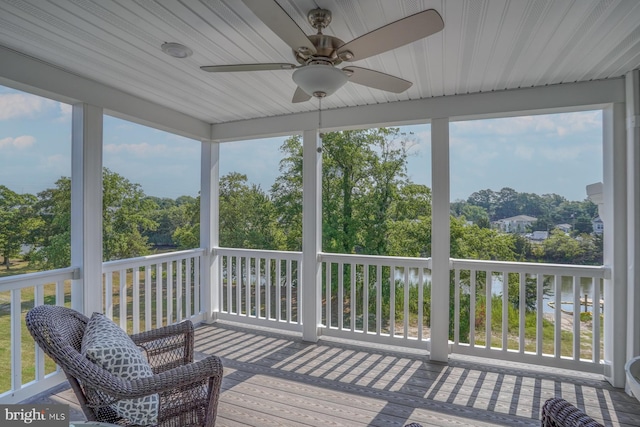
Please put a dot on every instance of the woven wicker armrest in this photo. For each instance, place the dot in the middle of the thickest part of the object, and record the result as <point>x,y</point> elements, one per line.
<point>557,412</point>
<point>205,370</point>
<point>167,347</point>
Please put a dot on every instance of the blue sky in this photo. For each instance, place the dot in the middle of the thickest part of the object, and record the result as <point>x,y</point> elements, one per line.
<point>559,153</point>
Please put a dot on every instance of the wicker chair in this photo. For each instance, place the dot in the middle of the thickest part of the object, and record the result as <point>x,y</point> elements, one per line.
<point>188,390</point>
<point>557,412</point>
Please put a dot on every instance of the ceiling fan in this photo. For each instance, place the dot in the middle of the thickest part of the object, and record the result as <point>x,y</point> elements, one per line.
<point>319,54</point>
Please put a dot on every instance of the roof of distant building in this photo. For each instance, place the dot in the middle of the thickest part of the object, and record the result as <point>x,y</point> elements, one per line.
<point>518,218</point>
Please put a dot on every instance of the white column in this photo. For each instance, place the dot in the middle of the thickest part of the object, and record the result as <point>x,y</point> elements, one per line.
<point>209,229</point>
<point>440,240</point>
<point>311,234</point>
<point>615,242</point>
<point>632,84</point>
<point>86,207</point>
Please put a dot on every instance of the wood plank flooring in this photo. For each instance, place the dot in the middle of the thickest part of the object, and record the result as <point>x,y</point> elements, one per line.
<point>274,379</point>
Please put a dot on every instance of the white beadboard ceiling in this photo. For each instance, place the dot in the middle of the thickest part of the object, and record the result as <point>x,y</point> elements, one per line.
<point>486,45</point>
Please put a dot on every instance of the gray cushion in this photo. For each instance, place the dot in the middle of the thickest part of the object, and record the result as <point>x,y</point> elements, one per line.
<point>105,344</point>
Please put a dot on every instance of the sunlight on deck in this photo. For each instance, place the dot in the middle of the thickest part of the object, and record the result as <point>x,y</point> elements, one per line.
<point>275,379</point>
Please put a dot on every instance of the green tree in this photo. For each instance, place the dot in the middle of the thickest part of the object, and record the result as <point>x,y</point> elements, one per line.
<point>248,218</point>
<point>17,222</point>
<point>187,235</point>
<point>126,214</point>
<point>286,193</point>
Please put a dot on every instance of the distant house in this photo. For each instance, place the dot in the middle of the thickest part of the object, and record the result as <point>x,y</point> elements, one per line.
<point>598,225</point>
<point>566,228</point>
<point>514,224</point>
<point>540,235</point>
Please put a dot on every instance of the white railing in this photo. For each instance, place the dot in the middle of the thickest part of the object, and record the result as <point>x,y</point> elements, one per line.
<point>511,316</point>
<point>376,298</point>
<point>545,314</point>
<point>29,370</point>
<point>152,291</point>
<point>260,287</point>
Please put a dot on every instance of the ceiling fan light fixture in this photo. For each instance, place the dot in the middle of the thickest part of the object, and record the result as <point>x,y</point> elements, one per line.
<point>176,50</point>
<point>319,80</point>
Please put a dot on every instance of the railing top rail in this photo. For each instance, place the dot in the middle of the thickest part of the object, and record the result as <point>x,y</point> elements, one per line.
<point>597,271</point>
<point>149,259</point>
<point>257,252</point>
<point>375,259</point>
<point>31,279</point>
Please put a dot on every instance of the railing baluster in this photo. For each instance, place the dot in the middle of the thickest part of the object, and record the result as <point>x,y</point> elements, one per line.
<point>405,308</point>
<point>352,298</point>
<point>159,300</point>
<point>488,297</point>
<point>540,312</point>
<point>247,286</point>
<point>472,308</point>
<point>378,299</point>
<point>289,285</point>
<point>522,311</point>
<point>327,290</point>
<point>187,287</point>
<point>38,299</point>
<point>392,300</point>
<point>340,308</point>
<point>420,304</point>
<point>456,306</point>
<point>179,291</point>
<point>135,272</point>
<point>258,287</point>
<point>267,285</point>
<point>576,318</point>
<point>16,339</point>
<point>365,297</point>
<point>122,305</point>
<point>505,310</point>
<point>595,329</point>
<point>147,298</point>
<point>557,327</point>
<point>197,265</point>
<point>169,292</point>
<point>278,301</point>
<point>108,295</point>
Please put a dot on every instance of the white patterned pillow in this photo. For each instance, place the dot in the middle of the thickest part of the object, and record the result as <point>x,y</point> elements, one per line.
<point>108,346</point>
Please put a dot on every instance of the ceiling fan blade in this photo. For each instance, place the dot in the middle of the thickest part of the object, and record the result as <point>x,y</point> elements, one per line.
<point>396,34</point>
<point>247,67</point>
<point>376,79</point>
<point>300,96</point>
<point>274,16</point>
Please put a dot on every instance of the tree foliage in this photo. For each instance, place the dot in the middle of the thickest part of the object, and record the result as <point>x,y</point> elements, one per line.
<point>126,215</point>
<point>17,222</point>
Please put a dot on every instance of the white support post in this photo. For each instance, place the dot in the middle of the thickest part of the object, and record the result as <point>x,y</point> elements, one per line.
<point>86,207</point>
<point>209,229</point>
<point>311,234</point>
<point>632,84</point>
<point>615,243</point>
<point>439,350</point>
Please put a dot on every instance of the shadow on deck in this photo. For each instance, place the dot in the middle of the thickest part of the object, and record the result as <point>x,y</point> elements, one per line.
<point>274,379</point>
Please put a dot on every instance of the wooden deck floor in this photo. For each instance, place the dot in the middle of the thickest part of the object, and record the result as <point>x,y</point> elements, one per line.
<point>274,379</point>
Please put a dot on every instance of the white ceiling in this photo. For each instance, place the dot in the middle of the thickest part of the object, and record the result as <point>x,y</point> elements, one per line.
<point>486,45</point>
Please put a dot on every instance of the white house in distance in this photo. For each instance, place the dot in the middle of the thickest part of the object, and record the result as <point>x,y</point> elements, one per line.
<point>514,224</point>
<point>598,225</point>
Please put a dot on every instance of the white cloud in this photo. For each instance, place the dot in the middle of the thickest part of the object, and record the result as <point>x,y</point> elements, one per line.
<point>20,142</point>
<point>548,124</point>
<point>18,105</point>
<point>65,112</point>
